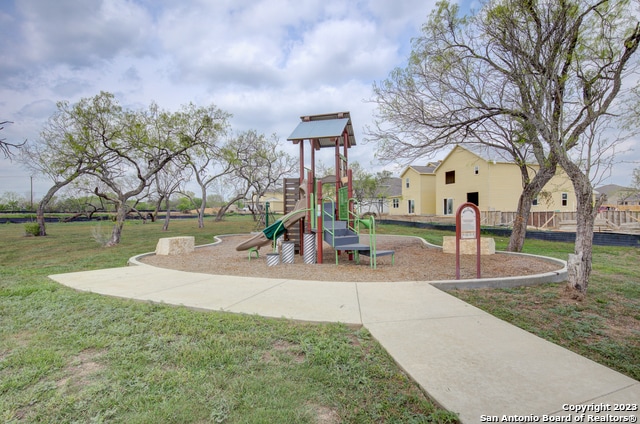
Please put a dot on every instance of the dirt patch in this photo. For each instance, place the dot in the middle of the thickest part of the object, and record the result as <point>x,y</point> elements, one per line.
<point>413,262</point>
<point>289,350</point>
<point>325,415</point>
<point>80,371</point>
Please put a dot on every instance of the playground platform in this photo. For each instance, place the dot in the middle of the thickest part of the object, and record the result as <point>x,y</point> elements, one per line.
<point>466,360</point>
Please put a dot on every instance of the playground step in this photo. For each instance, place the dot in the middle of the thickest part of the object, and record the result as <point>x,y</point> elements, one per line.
<point>330,224</point>
<point>364,249</point>
<point>337,241</point>
<point>342,238</point>
<point>353,246</point>
<point>378,252</point>
<point>337,234</point>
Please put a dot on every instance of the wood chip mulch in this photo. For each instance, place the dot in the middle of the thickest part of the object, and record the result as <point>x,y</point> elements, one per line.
<point>414,261</point>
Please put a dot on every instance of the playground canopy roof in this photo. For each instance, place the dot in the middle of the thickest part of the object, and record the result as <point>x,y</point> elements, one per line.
<point>324,129</point>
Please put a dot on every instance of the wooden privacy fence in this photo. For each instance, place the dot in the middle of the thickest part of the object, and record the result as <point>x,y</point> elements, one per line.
<point>610,219</point>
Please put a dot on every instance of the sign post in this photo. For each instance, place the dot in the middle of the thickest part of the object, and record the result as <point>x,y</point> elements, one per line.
<point>467,228</point>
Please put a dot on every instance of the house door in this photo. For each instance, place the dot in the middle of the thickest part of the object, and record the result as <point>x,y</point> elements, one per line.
<point>473,198</point>
<point>448,207</point>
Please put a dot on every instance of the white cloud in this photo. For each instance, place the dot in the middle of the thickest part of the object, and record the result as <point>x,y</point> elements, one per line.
<point>80,32</point>
<point>339,51</point>
<point>39,109</point>
<point>267,62</point>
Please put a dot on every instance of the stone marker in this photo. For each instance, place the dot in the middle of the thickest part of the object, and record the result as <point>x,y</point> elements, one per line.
<point>468,246</point>
<point>175,245</point>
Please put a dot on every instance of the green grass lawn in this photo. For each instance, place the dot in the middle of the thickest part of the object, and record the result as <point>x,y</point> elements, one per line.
<point>604,327</point>
<point>73,357</point>
<point>67,356</point>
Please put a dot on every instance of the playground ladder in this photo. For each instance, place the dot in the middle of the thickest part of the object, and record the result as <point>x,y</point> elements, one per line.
<point>291,197</point>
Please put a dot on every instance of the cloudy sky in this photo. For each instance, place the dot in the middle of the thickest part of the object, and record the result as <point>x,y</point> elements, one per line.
<point>267,62</point>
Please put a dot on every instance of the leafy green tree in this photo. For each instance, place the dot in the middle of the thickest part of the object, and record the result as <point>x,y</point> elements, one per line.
<point>257,165</point>
<point>186,204</point>
<point>12,201</point>
<point>209,166</point>
<point>69,145</point>
<point>149,141</point>
<point>370,190</point>
<point>121,150</point>
<point>168,181</point>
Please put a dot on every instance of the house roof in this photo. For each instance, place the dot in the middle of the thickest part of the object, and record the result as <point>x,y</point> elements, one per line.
<point>324,129</point>
<point>430,168</point>
<point>614,191</point>
<point>395,187</point>
<point>610,189</point>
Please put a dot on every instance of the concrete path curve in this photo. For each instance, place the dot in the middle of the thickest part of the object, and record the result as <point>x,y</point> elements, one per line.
<point>466,360</point>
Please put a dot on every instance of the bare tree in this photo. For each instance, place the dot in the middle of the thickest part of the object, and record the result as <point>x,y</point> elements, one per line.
<point>633,191</point>
<point>5,146</point>
<point>449,94</point>
<point>532,78</point>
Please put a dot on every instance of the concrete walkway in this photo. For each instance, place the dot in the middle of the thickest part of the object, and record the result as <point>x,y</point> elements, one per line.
<point>468,361</point>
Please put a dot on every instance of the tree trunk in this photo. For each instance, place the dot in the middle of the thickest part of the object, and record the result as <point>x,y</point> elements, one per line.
<point>221,212</point>
<point>530,192</point>
<point>167,217</point>
<point>579,263</point>
<point>201,209</point>
<point>72,217</point>
<point>157,208</point>
<point>40,217</point>
<point>121,216</point>
<point>223,209</point>
<point>43,204</point>
<point>519,231</point>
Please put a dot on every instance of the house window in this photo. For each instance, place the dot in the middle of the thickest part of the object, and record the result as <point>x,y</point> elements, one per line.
<point>473,198</point>
<point>448,206</point>
<point>476,170</point>
<point>411,206</point>
<point>406,182</point>
<point>534,202</point>
<point>565,198</point>
<point>450,177</point>
<point>396,203</point>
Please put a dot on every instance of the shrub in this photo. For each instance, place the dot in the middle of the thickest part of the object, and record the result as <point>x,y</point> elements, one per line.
<point>32,229</point>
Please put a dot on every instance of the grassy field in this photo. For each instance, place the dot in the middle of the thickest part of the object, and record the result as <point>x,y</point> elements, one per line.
<point>67,356</point>
<point>74,357</point>
<point>604,327</point>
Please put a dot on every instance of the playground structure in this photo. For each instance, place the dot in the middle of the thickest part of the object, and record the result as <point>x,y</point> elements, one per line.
<point>335,221</point>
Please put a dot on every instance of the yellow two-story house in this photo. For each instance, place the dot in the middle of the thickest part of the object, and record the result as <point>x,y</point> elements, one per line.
<point>481,175</point>
<point>418,191</point>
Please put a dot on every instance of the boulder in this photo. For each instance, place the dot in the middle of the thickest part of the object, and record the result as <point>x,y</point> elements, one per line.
<point>175,245</point>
